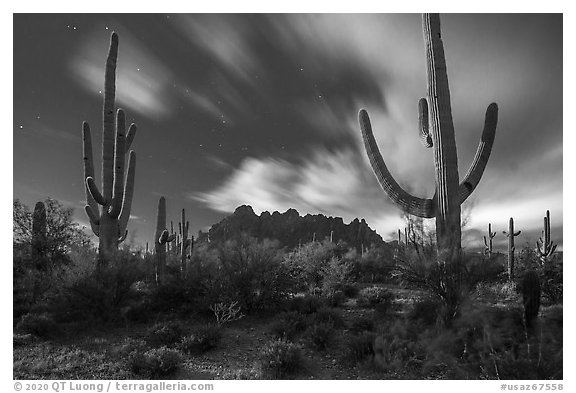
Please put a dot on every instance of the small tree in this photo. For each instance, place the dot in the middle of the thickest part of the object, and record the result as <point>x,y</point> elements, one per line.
<point>62,238</point>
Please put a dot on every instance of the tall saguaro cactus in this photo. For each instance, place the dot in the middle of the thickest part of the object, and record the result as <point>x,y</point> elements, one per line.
<point>185,242</point>
<point>511,248</point>
<point>437,131</point>
<point>39,236</point>
<point>545,245</point>
<point>161,238</point>
<point>488,243</point>
<point>109,210</point>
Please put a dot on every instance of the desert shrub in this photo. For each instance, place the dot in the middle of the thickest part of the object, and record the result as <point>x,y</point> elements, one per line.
<point>497,292</point>
<point>281,359</point>
<point>306,304</point>
<point>359,347</point>
<point>483,270</point>
<point>307,263</point>
<point>362,324</point>
<point>251,273</point>
<point>374,266</point>
<point>335,275</point>
<point>350,290</point>
<point>201,340</point>
<point>154,363</point>
<point>288,325</point>
<point>167,334</point>
<point>492,343</point>
<point>101,296</point>
<point>398,349</point>
<point>425,311</point>
<point>320,335</point>
<point>443,280</point>
<point>40,325</point>
<point>328,315</point>
<point>552,282</point>
<point>372,296</point>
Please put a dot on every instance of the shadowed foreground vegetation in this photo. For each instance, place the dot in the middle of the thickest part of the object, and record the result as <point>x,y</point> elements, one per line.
<point>251,309</point>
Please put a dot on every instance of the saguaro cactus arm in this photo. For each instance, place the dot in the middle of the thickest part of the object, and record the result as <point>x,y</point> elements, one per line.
<point>425,136</point>
<point>413,205</point>
<point>128,193</point>
<point>92,205</point>
<point>476,170</point>
<point>94,192</point>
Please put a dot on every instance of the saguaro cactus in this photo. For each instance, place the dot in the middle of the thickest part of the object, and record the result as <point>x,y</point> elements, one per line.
<point>39,236</point>
<point>531,290</point>
<point>161,237</point>
<point>545,245</point>
<point>488,243</point>
<point>110,221</point>
<point>511,248</point>
<point>437,131</point>
<point>185,242</point>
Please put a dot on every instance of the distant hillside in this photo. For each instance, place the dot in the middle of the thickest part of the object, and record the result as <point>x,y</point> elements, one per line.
<point>291,229</point>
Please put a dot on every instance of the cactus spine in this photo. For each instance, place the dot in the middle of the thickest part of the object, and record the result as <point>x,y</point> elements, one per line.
<point>437,131</point>
<point>161,237</point>
<point>531,290</point>
<point>511,248</point>
<point>39,236</point>
<point>545,245</point>
<point>110,221</point>
<point>488,243</point>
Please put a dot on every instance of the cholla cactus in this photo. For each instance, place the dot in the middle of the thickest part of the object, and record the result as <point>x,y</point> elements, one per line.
<point>511,248</point>
<point>161,237</point>
<point>109,221</point>
<point>437,131</point>
<point>225,313</point>
<point>545,245</point>
<point>39,236</point>
<point>488,243</point>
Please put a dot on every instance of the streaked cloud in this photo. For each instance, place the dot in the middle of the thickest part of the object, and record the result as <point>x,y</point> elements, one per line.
<point>332,183</point>
<point>225,37</point>
<point>143,82</point>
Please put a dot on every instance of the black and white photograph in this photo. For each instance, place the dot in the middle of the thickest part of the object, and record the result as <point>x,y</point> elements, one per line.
<point>287,196</point>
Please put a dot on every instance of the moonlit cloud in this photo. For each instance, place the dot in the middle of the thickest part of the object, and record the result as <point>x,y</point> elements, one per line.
<point>142,81</point>
<point>390,50</point>
<point>225,38</point>
<point>331,183</point>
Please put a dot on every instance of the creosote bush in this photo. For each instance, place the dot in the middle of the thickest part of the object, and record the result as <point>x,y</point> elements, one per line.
<point>359,347</point>
<point>40,325</point>
<point>201,340</point>
<point>154,363</point>
<point>288,325</point>
<point>320,335</point>
<point>281,360</point>
<point>168,334</point>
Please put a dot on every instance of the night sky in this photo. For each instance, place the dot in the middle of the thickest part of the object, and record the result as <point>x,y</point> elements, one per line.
<point>262,110</point>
